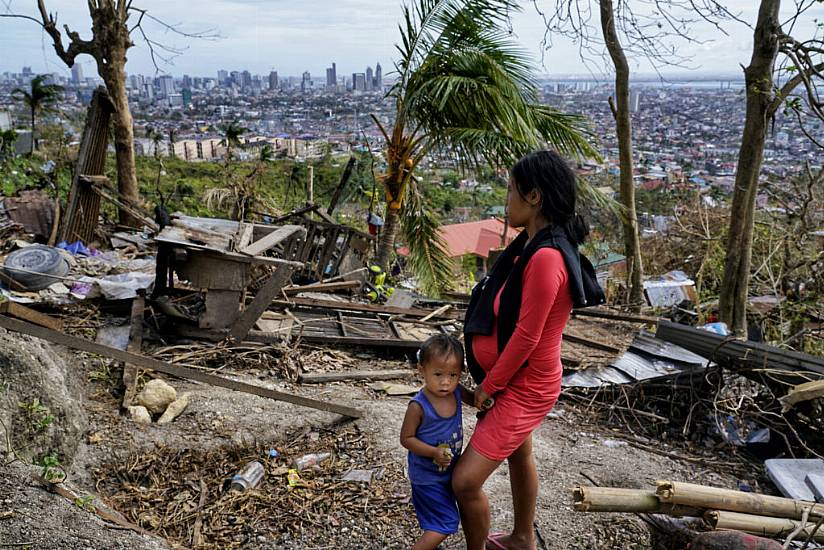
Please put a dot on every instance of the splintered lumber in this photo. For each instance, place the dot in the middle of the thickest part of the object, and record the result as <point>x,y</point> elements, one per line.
<point>323,377</point>
<point>168,368</point>
<point>714,498</point>
<point>613,499</point>
<point>761,525</point>
<point>272,239</point>
<point>19,311</point>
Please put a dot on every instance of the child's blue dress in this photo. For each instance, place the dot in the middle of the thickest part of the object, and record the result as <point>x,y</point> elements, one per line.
<point>432,495</point>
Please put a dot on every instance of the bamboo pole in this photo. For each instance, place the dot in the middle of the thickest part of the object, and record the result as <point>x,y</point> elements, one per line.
<point>611,499</point>
<point>699,496</point>
<point>760,525</point>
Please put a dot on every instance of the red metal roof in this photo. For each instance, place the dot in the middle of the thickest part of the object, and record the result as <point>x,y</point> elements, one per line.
<point>475,237</point>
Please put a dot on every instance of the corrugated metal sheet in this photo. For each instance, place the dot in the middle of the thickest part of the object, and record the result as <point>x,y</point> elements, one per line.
<point>647,358</point>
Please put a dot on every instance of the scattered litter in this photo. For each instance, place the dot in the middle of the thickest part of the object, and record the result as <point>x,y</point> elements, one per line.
<point>309,461</point>
<point>248,478</point>
<point>613,443</point>
<point>789,475</point>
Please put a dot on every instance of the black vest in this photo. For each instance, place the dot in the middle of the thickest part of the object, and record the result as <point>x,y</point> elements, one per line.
<point>480,315</point>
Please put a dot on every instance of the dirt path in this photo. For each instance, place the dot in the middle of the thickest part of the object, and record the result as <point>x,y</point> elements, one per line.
<point>218,418</point>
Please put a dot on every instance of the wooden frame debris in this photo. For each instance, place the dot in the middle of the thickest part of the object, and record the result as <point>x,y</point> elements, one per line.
<point>167,368</point>
<point>80,220</point>
<point>13,309</point>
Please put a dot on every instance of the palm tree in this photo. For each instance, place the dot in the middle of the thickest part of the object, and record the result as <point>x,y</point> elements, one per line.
<point>463,88</point>
<point>244,192</point>
<point>39,99</point>
<point>231,137</point>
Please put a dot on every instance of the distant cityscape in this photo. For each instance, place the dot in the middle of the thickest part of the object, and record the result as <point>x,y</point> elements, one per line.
<point>685,132</point>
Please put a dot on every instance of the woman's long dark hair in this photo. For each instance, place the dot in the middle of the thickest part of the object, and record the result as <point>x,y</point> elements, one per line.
<point>553,178</point>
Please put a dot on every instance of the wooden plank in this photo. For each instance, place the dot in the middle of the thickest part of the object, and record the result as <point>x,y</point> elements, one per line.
<point>263,299</point>
<point>322,287</point>
<point>601,314</point>
<point>353,306</point>
<point>168,368</point>
<point>133,211</point>
<point>323,377</point>
<point>272,239</point>
<point>590,343</point>
<point>130,371</point>
<point>362,341</point>
<point>20,311</point>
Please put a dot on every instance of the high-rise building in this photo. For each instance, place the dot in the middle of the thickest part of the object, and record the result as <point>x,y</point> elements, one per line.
<point>245,79</point>
<point>234,77</point>
<point>167,85</point>
<point>358,82</point>
<point>634,101</point>
<point>222,77</point>
<point>187,81</point>
<point>306,82</point>
<point>77,73</point>
<point>331,77</point>
<point>27,72</point>
<point>369,78</point>
<point>378,78</point>
<point>273,80</point>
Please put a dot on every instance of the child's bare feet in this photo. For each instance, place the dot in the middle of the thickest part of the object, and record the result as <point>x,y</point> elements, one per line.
<point>500,541</point>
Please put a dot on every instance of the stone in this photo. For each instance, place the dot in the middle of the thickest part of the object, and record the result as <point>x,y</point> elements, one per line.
<point>174,409</point>
<point>41,401</point>
<point>140,414</point>
<point>156,396</point>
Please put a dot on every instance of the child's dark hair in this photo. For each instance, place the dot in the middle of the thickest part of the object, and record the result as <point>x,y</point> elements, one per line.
<point>549,173</point>
<point>440,345</point>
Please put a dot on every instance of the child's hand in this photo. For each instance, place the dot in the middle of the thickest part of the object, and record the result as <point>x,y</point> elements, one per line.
<point>443,458</point>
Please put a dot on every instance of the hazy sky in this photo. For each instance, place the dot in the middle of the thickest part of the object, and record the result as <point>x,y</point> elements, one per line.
<point>291,36</point>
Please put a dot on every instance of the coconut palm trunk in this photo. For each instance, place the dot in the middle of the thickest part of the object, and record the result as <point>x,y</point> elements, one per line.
<point>465,88</point>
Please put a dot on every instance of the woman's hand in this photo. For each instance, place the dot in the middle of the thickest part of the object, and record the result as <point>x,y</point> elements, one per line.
<point>482,400</point>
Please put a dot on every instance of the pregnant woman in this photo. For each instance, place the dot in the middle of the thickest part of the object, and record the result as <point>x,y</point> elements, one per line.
<point>513,331</point>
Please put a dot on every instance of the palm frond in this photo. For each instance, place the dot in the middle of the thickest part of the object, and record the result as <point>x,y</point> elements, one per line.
<point>217,197</point>
<point>427,250</point>
<point>588,195</point>
<point>473,93</point>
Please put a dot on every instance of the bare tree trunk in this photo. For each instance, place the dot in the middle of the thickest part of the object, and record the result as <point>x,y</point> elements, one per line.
<point>386,244</point>
<point>759,80</point>
<point>623,123</point>
<point>123,137</point>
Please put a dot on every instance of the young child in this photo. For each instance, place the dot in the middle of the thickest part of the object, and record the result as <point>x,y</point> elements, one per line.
<point>432,431</point>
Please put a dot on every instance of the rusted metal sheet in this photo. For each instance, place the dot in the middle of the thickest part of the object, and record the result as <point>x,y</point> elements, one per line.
<point>32,209</point>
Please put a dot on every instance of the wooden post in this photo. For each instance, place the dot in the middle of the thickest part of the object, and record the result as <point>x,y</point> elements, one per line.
<point>130,371</point>
<point>344,179</point>
<point>80,219</point>
<point>310,189</point>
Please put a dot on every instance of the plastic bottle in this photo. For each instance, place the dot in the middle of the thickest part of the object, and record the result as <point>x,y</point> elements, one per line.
<point>307,461</point>
<point>248,477</point>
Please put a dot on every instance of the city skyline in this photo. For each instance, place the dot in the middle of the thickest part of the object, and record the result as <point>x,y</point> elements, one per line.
<point>291,38</point>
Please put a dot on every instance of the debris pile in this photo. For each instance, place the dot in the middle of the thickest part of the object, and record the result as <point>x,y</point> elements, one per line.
<point>184,495</point>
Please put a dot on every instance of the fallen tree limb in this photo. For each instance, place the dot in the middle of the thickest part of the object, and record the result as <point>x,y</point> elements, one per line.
<point>760,525</point>
<point>611,499</point>
<point>167,368</point>
<point>714,498</point>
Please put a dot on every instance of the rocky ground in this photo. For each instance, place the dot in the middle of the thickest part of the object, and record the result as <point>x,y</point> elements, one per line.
<point>143,470</point>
